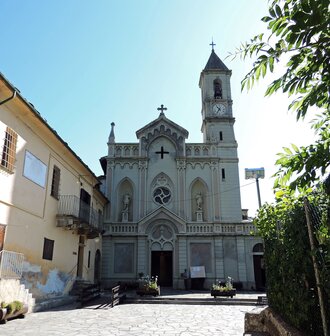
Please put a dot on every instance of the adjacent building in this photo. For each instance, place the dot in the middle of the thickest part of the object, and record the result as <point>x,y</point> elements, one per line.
<point>51,208</point>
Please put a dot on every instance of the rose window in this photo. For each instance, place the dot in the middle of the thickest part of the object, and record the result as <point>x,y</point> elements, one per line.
<point>162,195</point>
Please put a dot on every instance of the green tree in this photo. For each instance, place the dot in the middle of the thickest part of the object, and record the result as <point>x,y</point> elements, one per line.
<point>291,284</point>
<point>298,32</point>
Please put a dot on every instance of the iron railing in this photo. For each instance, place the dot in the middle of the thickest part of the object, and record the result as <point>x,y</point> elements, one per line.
<point>11,264</point>
<point>70,205</point>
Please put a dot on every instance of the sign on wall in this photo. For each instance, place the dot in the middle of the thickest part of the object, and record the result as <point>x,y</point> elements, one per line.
<point>34,169</point>
<point>197,272</point>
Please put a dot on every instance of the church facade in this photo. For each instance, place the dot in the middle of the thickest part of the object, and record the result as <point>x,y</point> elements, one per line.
<point>176,205</point>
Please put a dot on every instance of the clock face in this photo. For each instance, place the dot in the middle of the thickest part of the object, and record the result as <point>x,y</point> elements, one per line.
<point>219,109</point>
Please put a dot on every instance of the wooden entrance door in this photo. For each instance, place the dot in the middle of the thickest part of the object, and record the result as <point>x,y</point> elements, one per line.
<point>80,262</point>
<point>97,267</point>
<point>162,266</point>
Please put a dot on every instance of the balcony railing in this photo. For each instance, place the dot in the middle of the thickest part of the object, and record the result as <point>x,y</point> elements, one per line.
<point>11,264</point>
<point>191,228</point>
<point>74,213</point>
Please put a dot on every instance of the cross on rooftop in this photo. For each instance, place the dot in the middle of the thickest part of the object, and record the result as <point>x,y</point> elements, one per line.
<point>212,44</point>
<point>162,152</point>
<point>162,108</point>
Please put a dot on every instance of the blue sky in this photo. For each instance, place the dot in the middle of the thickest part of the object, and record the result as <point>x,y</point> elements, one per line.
<point>84,64</point>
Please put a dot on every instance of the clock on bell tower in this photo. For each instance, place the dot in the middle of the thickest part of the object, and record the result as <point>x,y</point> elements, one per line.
<point>216,101</point>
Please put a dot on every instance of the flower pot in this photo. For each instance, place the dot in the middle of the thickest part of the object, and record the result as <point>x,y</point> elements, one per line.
<point>148,291</point>
<point>229,293</point>
<point>4,315</point>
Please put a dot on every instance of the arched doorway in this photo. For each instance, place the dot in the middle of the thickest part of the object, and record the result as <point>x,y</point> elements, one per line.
<point>259,266</point>
<point>161,240</point>
<point>97,267</point>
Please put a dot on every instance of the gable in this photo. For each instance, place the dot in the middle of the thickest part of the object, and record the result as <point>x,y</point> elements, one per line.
<point>162,127</point>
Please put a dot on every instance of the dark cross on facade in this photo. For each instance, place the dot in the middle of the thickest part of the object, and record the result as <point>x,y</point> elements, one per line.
<point>212,44</point>
<point>162,109</point>
<point>162,152</point>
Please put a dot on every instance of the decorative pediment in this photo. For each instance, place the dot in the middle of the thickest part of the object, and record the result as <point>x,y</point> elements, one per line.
<point>162,126</point>
<point>161,215</point>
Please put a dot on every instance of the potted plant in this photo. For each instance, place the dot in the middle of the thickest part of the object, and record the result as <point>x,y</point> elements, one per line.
<point>149,287</point>
<point>227,290</point>
<point>11,310</point>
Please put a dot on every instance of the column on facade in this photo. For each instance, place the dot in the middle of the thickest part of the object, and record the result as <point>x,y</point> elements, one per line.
<point>142,188</point>
<point>182,258</point>
<point>215,190</point>
<point>181,169</point>
<point>219,258</point>
<point>142,255</point>
<point>241,262</point>
<point>109,183</point>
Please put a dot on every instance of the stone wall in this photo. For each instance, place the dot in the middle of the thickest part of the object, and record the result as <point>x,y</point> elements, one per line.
<point>267,321</point>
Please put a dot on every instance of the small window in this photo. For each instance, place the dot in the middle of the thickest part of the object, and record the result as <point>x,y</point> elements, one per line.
<point>223,173</point>
<point>89,259</point>
<point>221,136</point>
<point>48,249</point>
<point>55,182</point>
<point>9,150</point>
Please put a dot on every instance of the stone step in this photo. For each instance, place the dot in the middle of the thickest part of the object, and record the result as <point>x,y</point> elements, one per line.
<point>54,302</point>
<point>191,301</point>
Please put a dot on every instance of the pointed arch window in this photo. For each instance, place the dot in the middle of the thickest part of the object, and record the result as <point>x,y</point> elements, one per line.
<point>217,88</point>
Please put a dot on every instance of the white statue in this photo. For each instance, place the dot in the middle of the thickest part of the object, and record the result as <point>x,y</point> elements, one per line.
<point>126,201</point>
<point>199,201</point>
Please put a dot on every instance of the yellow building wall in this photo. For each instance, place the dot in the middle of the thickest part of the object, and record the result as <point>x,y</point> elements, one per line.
<point>29,211</point>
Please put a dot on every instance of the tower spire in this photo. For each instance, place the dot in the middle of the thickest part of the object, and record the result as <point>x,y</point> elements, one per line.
<point>112,133</point>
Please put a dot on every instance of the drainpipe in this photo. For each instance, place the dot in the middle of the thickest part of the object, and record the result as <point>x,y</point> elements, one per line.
<point>10,98</point>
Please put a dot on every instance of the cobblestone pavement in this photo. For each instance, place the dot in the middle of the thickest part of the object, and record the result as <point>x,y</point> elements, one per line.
<point>132,319</point>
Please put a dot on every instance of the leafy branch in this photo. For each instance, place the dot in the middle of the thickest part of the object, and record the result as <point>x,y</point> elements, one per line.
<point>298,30</point>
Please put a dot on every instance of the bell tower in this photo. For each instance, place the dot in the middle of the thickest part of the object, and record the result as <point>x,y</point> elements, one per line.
<point>217,115</point>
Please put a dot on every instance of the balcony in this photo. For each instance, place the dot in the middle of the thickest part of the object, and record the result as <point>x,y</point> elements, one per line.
<point>74,214</point>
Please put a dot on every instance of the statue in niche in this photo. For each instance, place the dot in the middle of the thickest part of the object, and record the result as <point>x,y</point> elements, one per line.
<point>199,201</point>
<point>217,89</point>
<point>126,202</point>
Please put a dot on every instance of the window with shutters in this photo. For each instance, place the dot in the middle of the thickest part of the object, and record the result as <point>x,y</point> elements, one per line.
<point>48,249</point>
<point>9,150</point>
<point>55,182</point>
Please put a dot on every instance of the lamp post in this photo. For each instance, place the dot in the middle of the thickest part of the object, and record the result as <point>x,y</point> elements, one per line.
<point>255,173</point>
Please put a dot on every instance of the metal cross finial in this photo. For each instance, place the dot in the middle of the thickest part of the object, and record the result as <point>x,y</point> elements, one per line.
<point>162,109</point>
<point>212,44</point>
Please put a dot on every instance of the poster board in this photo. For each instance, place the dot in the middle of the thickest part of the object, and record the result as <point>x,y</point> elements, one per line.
<point>34,169</point>
<point>197,272</point>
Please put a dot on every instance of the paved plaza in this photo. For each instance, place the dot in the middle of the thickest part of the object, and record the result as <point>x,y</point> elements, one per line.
<point>133,319</point>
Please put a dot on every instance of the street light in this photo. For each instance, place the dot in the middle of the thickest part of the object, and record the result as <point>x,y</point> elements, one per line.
<point>255,173</point>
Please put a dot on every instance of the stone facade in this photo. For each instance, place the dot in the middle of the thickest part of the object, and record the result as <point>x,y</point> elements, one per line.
<point>175,205</point>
